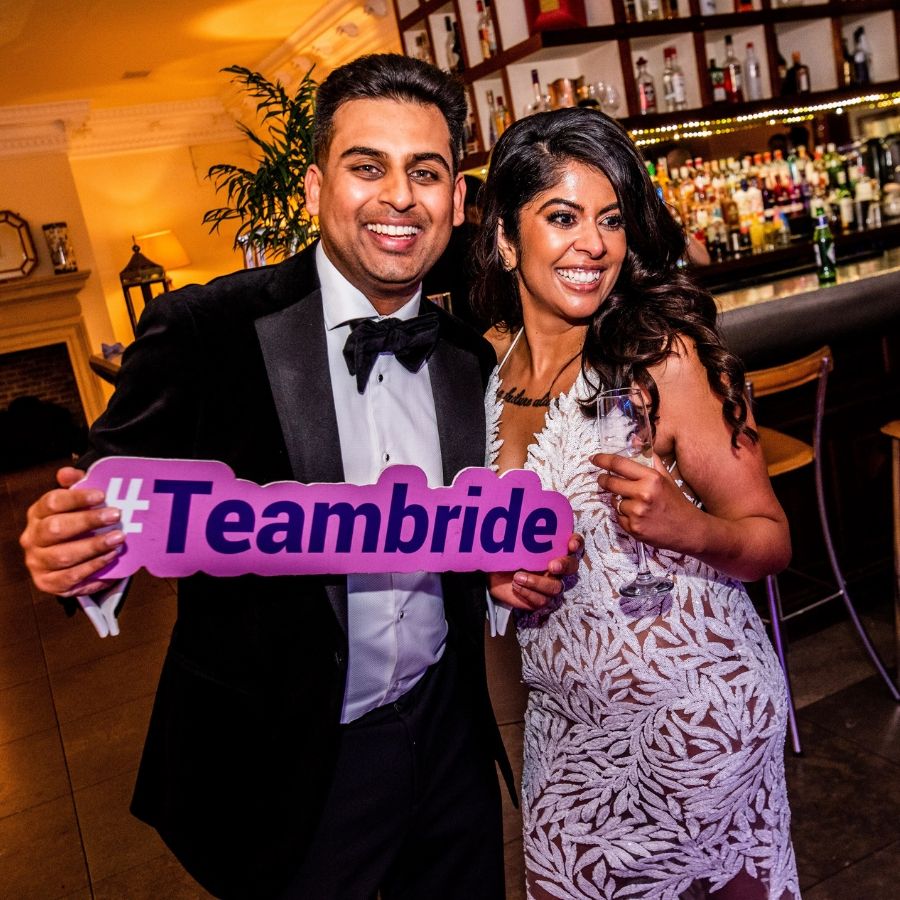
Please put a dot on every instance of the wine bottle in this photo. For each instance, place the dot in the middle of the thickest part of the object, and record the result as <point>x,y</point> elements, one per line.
<point>826,258</point>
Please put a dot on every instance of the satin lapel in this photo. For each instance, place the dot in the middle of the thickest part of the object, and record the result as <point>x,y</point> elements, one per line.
<point>459,406</point>
<point>293,346</point>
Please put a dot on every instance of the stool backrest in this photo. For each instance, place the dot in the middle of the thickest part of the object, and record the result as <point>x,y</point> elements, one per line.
<point>817,365</point>
<point>763,382</point>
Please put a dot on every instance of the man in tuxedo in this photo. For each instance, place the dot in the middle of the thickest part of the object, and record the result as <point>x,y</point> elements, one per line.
<point>321,737</point>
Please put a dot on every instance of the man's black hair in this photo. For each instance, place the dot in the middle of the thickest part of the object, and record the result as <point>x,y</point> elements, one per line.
<point>390,76</point>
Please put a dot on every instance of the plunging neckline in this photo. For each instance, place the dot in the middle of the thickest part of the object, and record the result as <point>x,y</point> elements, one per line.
<point>495,442</point>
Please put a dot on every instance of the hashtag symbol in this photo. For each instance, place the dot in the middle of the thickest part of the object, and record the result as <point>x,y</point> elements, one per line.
<point>129,504</point>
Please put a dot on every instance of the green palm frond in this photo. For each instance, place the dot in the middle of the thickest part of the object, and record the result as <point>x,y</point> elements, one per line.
<point>269,203</point>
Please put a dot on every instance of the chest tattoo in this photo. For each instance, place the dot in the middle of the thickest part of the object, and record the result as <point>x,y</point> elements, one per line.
<point>518,397</point>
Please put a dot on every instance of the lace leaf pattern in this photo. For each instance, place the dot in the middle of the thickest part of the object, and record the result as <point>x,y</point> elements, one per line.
<point>654,746</point>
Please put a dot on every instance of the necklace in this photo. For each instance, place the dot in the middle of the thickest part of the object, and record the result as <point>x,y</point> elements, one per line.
<point>518,397</point>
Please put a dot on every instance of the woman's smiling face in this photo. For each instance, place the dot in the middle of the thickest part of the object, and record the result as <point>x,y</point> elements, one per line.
<point>571,246</point>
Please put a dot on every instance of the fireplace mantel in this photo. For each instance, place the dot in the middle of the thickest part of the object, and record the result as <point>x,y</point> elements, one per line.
<point>18,289</point>
<point>36,312</point>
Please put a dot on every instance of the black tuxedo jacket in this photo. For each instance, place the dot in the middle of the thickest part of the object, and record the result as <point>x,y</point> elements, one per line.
<point>241,740</point>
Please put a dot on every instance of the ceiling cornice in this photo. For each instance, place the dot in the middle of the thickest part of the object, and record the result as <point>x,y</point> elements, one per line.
<point>127,128</point>
<point>74,128</point>
<point>40,128</point>
<point>323,21</point>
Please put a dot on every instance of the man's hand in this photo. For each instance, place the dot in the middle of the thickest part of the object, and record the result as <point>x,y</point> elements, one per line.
<point>532,590</point>
<point>62,555</point>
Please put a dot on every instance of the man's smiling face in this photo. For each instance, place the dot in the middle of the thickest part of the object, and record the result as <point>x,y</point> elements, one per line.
<point>386,196</point>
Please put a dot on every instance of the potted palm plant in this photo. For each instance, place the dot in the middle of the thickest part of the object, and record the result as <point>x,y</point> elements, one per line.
<point>269,204</point>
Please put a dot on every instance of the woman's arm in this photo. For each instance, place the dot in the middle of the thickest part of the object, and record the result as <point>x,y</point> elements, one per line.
<point>742,529</point>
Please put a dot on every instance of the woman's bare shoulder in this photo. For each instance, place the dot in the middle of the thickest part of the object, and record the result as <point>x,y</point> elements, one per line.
<point>499,340</point>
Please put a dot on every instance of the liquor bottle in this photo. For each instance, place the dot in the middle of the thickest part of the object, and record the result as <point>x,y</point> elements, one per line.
<point>492,120</point>
<point>754,74</point>
<point>846,64</point>
<point>673,81</point>
<point>757,233</point>
<point>471,130</point>
<point>743,5</point>
<point>862,57</point>
<point>717,79</point>
<point>454,50</point>
<point>707,7</point>
<point>845,203</point>
<point>782,69</point>
<point>646,88</point>
<point>631,11</point>
<point>799,75</point>
<point>670,9</point>
<point>502,116</point>
<point>865,196</point>
<point>734,82</point>
<point>826,259</point>
<point>541,102</point>
<point>486,36</point>
<point>651,9</point>
<point>833,164</point>
<point>423,51</point>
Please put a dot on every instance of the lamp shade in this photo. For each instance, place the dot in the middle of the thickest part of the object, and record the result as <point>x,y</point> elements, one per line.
<point>164,248</point>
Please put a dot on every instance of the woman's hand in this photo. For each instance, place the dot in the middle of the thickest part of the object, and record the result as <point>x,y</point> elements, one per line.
<point>533,590</point>
<point>650,505</point>
<point>741,529</point>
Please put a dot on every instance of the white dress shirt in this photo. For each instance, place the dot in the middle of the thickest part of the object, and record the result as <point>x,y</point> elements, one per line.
<point>396,622</point>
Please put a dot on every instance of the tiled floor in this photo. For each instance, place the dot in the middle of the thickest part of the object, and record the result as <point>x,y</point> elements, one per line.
<point>73,710</point>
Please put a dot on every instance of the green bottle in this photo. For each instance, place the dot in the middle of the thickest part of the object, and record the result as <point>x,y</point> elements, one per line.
<point>826,260</point>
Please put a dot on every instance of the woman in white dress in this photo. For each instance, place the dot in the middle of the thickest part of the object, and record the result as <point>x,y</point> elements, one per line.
<point>654,737</point>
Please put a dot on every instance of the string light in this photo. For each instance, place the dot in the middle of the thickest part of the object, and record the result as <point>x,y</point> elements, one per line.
<point>729,124</point>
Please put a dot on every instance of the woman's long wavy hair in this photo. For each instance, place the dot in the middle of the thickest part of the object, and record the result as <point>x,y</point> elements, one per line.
<point>652,302</point>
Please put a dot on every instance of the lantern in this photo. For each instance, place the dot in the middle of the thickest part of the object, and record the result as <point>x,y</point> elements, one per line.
<point>143,276</point>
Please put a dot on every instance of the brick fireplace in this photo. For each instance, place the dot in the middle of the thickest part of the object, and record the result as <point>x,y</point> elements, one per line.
<point>44,349</point>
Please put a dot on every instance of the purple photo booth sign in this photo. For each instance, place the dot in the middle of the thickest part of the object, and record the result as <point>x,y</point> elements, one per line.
<point>185,516</point>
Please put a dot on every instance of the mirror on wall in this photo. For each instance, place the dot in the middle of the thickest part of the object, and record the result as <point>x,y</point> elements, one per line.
<point>17,253</point>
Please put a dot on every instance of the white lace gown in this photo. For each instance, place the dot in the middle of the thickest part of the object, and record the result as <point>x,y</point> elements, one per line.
<point>654,746</point>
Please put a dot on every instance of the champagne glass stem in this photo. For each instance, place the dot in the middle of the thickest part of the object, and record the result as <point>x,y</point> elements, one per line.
<point>643,569</point>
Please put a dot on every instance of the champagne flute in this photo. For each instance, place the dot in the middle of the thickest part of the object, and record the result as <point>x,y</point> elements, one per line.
<point>623,428</point>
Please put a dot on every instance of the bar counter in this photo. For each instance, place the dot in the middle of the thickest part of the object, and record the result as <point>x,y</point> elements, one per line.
<point>769,323</point>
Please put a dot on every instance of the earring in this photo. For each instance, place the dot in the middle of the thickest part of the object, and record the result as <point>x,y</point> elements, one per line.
<point>507,266</point>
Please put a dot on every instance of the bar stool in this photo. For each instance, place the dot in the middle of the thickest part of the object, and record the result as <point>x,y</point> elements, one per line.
<point>784,453</point>
<point>892,430</point>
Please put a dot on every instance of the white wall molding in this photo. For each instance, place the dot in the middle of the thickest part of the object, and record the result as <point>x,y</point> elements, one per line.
<point>127,128</point>
<point>76,129</point>
<point>41,127</point>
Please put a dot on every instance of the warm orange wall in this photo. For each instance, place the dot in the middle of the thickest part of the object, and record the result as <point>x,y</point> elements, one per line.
<point>151,190</point>
<point>41,189</point>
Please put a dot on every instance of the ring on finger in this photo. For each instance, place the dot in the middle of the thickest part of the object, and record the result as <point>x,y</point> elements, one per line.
<point>619,505</point>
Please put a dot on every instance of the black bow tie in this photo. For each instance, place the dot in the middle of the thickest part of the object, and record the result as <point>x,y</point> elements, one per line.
<point>410,340</point>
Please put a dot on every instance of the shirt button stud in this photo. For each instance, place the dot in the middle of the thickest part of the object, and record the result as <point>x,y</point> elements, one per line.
<point>387,457</point>
<point>380,378</point>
